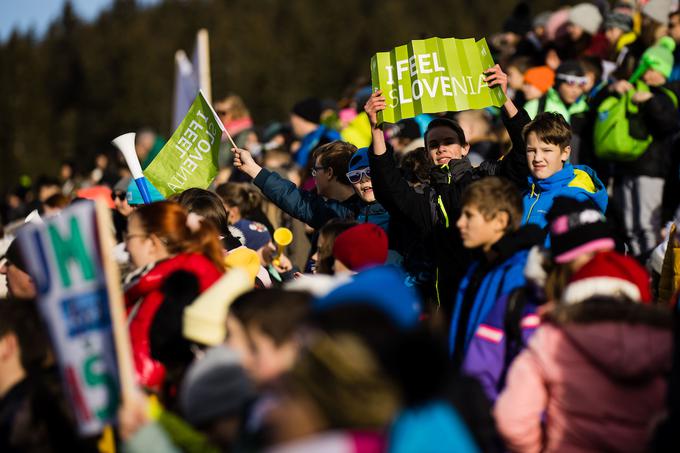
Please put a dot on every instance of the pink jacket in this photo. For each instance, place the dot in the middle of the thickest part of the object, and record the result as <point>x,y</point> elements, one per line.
<point>587,384</point>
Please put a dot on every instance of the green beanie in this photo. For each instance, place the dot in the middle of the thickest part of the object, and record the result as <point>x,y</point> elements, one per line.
<point>659,57</point>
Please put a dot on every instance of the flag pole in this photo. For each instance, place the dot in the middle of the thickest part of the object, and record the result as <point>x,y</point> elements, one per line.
<point>126,371</point>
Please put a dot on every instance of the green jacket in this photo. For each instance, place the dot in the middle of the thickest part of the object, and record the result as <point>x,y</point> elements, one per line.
<point>168,434</point>
<point>551,102</point>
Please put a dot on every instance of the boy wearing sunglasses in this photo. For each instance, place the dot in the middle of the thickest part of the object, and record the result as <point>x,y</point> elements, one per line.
<point>317,208</point>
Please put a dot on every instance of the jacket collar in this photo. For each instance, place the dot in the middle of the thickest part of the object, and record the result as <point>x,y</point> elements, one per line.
<point>524,238</point>
<point>559,179</point>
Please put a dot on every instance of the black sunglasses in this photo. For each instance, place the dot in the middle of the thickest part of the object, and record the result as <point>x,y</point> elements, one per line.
<point>120,195</point>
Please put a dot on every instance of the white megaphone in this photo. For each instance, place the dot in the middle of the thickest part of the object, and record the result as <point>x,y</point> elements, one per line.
<point>126,144</point>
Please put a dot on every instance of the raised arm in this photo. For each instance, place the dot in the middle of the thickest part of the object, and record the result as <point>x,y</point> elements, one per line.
<point>375,104</point>
<point>308,207</point>
<point>391,189</point>
<point>514,164</point>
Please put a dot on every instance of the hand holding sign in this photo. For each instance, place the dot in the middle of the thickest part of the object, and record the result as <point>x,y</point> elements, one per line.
<point>496,77</point>
<point>434,75</point>
<point>244,161</point>
<point>376,103</point>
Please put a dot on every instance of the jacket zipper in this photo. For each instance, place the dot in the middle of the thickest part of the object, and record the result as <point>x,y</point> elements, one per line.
<point>538,196</point>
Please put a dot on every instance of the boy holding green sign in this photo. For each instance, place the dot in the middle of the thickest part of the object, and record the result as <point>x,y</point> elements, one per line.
<point>537,164</point>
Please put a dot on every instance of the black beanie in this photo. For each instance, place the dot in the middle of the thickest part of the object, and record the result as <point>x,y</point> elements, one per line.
<point>14,256</point>
<point>519,21</point>
<point>577,227</point>
<point>309,109</point>
<point>408,128</point>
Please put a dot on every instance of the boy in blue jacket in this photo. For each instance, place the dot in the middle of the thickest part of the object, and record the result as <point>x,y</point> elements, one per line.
<point>489,224</point>
<point>547,141</point>
<point>337,165</point>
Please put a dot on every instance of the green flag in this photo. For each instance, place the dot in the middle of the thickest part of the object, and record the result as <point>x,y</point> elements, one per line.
<point>434,75</point>
<point>189,158</point>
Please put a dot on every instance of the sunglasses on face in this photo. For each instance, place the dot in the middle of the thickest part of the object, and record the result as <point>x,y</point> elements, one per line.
<point>355,176</point>
<point>120,195</point>
<point>573,80</point>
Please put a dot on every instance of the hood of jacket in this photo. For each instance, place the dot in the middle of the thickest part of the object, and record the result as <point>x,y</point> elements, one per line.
<point>626,340</point>
<point>151,280</point>
<point>576,181</point>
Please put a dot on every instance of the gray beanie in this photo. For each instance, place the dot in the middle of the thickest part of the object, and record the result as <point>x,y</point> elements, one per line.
<point>541,19</point>
<point>658,10</point>
<point>586,16</point>
<point>215,386</point>
<point>122,184</point>
<point>619,20</point>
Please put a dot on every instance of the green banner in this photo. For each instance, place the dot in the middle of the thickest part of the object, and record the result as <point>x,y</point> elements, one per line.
<point>189,158</point>
<point>434,75</point>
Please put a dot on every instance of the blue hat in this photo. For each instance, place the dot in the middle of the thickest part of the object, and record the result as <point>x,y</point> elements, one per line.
<point>414,429</point>
<point>255,234</point>
<point>359,159</point>
<point>134,197</point>
<point>382,288</point>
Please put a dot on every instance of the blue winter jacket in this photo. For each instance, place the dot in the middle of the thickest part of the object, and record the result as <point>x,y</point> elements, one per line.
<point>579,182</point>
<point>487,357</point>
<point>315,210</point>
<point>488,284</point>
<point>498,282</point>
<point>311,141</point>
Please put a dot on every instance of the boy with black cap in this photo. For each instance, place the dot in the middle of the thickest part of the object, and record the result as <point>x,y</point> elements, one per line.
<point>433,209</point>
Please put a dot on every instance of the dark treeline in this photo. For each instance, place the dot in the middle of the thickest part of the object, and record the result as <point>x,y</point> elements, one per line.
<point>66,94</point>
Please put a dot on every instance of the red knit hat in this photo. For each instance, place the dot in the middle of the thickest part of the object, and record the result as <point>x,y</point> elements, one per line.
<point>361,246</point>
<point>609,274</point>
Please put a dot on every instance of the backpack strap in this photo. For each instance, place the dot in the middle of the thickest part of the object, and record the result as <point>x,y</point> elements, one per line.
<point>512,326</point>
<point>670,94</point>
<point>542,103</point>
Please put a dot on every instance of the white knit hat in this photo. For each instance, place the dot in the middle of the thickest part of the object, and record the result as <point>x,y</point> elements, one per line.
<point>658,10</point>
<point>586,16</point>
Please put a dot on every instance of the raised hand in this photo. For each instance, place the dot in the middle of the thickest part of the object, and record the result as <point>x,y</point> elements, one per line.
<point>244,161</point>
<point>496,76</point>
<point>375,104</point>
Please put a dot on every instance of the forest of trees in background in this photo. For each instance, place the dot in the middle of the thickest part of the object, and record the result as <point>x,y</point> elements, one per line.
<point>66,94</point>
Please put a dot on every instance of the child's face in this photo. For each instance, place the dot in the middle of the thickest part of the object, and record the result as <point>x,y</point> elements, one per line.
<point>476,231</point>
<point>653,78</point>
<point>364,188</point>
<point>443,145</point>
<point>613,34</point>
<point>515,78</point>
<point>269,360</point>
<point>531,92</point>
<point>544,159</point>
<point>570,92</point>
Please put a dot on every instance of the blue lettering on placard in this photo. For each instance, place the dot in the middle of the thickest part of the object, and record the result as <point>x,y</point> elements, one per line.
<point>86,312</point>
<point>41,273</point>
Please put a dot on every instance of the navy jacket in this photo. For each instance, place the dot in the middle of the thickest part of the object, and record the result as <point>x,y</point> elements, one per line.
<point>313,209</point>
